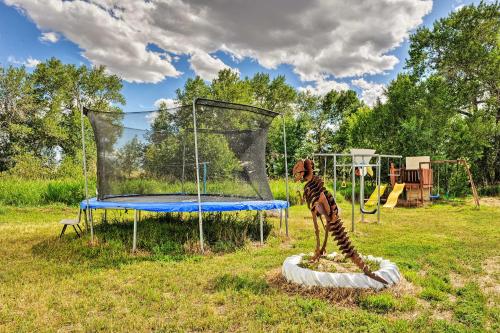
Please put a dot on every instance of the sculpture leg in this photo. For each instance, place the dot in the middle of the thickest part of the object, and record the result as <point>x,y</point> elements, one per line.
<point>317,254</point>
<point>323,248</point>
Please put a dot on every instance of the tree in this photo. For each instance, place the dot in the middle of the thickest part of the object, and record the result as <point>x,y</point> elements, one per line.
<point>464,50</point>
<point>17,106</point>
<point>129,157</point>
<point>39,112</point>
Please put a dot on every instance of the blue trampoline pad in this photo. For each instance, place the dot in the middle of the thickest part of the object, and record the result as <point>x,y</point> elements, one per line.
<point>182,203</point>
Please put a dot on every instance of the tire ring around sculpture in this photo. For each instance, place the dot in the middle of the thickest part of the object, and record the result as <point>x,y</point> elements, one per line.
<point>307,277</point>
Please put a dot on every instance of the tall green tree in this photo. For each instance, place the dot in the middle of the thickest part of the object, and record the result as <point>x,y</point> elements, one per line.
<point>17,105</point>
<point>464,49</point>
<point>40,113</point>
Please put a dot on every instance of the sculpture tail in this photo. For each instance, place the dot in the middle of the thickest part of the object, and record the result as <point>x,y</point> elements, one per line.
<point>345,246</point>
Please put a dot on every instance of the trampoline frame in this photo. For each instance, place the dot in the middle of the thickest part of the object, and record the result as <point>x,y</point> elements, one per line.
<point>87,203</point>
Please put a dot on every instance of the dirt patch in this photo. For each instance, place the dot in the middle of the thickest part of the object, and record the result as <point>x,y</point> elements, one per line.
<point>346,297</point>
<point>488,201</point>
<point>490,282</point>
<point>457,281</point>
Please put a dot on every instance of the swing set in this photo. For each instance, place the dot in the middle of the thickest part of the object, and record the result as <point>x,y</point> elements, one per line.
<point>457,162</point>
<point>358,164</point>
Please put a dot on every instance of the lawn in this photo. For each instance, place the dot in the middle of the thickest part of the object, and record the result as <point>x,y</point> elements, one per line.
<point>448,254</point>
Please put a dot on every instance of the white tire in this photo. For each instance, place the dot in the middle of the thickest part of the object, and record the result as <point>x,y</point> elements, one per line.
<point>307,277</point>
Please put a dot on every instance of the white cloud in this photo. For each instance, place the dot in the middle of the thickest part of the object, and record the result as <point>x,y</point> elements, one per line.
<point>49,37</point>
<point>370,91</point>
<point>323,86</point>
<point>29,63</point>
<point>324,37</point>
<point>169,103</point>
<point>207,66</point>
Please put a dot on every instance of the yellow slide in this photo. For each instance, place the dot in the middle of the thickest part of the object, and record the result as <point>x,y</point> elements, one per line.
<point>372,200</point>
<point>392,200</point>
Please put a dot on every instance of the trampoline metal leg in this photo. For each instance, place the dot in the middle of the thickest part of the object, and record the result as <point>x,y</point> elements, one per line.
<point>200,226</point>
<point>261,221</point>
<point>85,220</point>
<point>286,221</point>
<point>281,218</point>
<point>91,227</point>
<point>134,237</point>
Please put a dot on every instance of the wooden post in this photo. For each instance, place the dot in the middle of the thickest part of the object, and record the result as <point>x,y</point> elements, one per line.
<point>471,181</point>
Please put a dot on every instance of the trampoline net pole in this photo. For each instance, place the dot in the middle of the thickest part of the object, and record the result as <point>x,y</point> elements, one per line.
<point>200,218</point>
<point>353,198</point>
<point>204,177</point>
<point>286,173</point>
<point>183,166</point>
<point>84,161</point>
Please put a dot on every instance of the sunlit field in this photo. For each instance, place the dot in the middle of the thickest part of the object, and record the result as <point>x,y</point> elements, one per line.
<point>448,255</point>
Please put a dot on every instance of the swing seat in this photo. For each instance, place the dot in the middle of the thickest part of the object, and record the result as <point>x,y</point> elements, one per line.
<point>369,212</point>
<point>435,197</point>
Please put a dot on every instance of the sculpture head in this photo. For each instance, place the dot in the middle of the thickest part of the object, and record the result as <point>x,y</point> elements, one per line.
<point>303,170</point>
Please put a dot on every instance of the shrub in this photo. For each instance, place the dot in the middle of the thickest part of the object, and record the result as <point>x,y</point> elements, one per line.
<point>68,192</point>
<point>17,192</point>
<point>489,190</point>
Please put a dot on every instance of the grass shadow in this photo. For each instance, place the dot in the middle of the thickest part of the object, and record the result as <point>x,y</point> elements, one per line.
<point>162,237</point>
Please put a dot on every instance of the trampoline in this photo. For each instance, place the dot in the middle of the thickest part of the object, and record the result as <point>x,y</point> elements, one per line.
<point>183,204</point>
<point>205,157</point>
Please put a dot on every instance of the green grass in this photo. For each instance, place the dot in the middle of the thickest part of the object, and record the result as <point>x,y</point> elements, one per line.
<point>23,192</point>
<point>49,284</point>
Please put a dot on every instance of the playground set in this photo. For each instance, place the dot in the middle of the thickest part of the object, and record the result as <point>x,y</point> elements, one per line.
<point>411,185</point>
<point>361,163</point>
<point>187,136</point>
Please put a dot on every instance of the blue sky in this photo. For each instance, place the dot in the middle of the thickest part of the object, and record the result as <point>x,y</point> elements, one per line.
<point>30,33</point>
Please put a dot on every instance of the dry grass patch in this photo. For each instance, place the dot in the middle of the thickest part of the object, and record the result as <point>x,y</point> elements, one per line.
<point>401,296</point>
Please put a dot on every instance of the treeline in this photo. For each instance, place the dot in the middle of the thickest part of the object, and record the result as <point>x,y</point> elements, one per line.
<point>446,104</point>
<point>40,133</point>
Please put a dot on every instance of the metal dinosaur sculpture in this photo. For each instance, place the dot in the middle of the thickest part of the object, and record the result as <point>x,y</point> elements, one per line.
<point>321,203</point>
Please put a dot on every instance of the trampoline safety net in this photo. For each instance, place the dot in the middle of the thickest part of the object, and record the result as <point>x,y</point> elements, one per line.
<point>152,153</point>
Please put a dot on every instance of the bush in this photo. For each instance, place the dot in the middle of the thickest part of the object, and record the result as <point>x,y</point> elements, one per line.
<point>17,192</point>
<point>21,192</point>
<point>489,190</point>
<point>278,188</point>
<point>69,192</point>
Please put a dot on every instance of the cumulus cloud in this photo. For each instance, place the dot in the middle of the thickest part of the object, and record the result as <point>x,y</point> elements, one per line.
<point>30,62</point>
<point>49,37</point>
<point>323,86</point>
<point>322,37</point>
<point>207,66</point>
<point>370,91</point>
<point>168,102</point>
